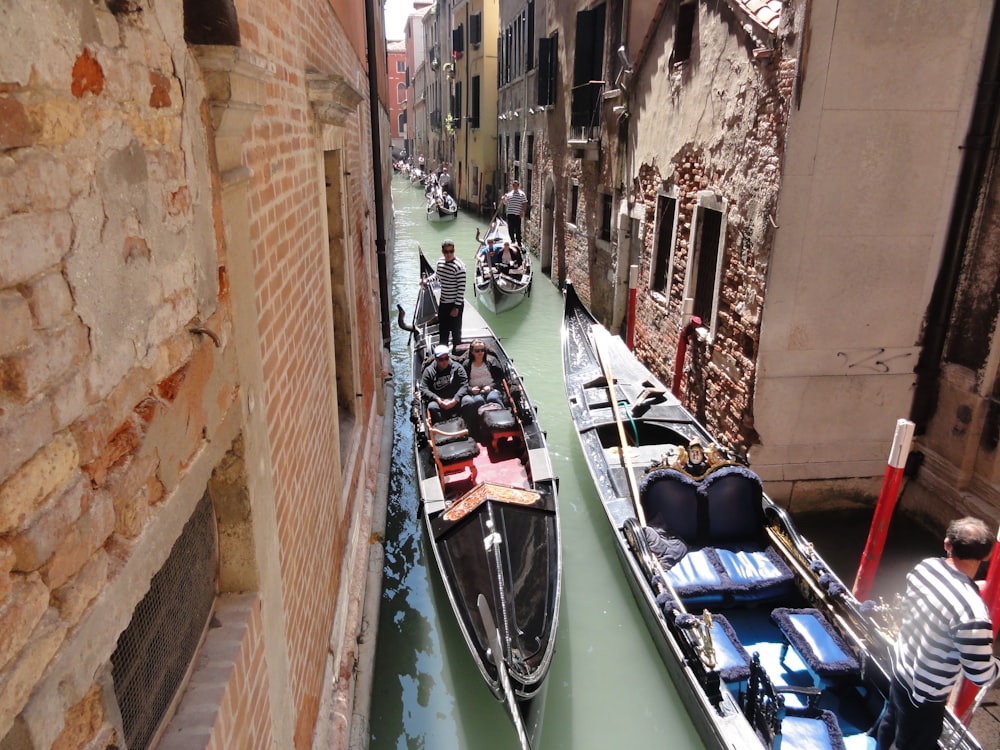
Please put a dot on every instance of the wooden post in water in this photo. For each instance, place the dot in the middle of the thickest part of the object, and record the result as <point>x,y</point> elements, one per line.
<point>633,282</point>
<point>883,509</point>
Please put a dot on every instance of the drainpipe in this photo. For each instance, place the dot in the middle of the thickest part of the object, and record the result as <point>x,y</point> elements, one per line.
<point>380,240</point>
<point>975,163</point>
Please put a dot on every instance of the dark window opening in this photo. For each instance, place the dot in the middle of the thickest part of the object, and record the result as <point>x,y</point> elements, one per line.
<point>588,67</point>
<point>153,653</point>
<point>666,211</point>
<point>684,32</point>
<point>548,48</point>
<point>209,22</point>
<point>530,45</point>
<point>705,257</point>
<point>475,29</point>
<point>607,205</point>
<point>456,104</point>
<point>474,103</point>
<point>458,41</point>
<point>574,200</point>
<point>530,149</point>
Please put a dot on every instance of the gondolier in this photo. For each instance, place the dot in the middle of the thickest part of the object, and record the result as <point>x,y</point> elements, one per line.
<point>516,204</point>
<point>450,273</point>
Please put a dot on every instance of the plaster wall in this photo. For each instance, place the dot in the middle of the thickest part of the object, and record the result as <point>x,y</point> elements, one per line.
<point>872,156</point>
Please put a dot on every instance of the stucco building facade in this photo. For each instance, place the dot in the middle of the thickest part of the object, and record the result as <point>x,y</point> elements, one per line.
<point>820,202</point>
<point>192,371</point>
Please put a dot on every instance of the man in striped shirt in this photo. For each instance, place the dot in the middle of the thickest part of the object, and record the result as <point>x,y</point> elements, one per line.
<point>517,205</point>
<point>450,273</point>
<point>945,630</point>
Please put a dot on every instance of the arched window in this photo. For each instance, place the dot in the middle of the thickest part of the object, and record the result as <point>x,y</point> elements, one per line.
<point>401,93</point>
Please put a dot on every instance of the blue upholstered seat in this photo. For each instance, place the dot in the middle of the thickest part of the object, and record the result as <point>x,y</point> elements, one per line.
<point>824,652</point>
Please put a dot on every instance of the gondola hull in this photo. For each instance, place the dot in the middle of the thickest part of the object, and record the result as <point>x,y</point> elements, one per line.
<point>491,516</point>
<point>746,616</point>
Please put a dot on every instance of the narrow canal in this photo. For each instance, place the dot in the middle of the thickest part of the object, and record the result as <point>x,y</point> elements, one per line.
<point>607,687</point>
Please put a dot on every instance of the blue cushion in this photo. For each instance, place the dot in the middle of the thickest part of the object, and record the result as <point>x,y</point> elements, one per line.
<point>731,659</point>
<point>735,513</point>
<point>695,573</point>
<point>819,645</point>
<point>670,501</point>
<point>802,733</point>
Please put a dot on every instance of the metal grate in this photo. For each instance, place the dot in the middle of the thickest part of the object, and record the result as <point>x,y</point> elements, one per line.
<point>154,651</point>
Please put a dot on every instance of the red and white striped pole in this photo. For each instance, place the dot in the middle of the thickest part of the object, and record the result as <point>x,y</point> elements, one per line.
<point>633,282</point>
<point>883,509</point>
<point>991,595</point>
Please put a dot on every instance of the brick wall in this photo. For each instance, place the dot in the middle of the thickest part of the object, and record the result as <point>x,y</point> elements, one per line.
<point>121,382</point>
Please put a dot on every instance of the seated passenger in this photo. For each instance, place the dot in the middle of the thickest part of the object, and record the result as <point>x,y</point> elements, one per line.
<point>486,377</point>
<point>508,257</point>
<point>444,386</point>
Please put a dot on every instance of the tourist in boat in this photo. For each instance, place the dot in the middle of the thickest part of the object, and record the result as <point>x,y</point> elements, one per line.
<point>945,631</point>
<point>450,273</point>
<point>444,386</point>
<point>486,375</point>
<point>508,257</point>
<point>444,180</point>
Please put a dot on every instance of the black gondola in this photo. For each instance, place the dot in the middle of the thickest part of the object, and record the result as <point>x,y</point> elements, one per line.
<point>498,287</point>
<point>764,643</point>
<point>490,509</point>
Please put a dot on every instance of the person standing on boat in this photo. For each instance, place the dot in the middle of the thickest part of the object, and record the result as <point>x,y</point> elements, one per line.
<point>945,630</point>
<point>450,273</point>
<point>444,180</point>
<point>444,386</point>
<point>516,203</point>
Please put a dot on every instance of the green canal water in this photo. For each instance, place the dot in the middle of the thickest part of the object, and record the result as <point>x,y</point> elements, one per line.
<point>607,688</point>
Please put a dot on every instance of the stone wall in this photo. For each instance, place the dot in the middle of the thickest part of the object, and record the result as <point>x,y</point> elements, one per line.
<point>166,250</point>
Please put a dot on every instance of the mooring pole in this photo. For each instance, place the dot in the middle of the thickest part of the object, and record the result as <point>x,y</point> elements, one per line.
<point>883,509</point>
<point>633,282</point>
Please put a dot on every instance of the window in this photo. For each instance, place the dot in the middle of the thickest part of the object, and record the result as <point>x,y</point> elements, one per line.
<point>548,49</point>
<point>588,67</point>
<point>574,200</point>
<point>530,45</point>
<point>456,104</point>
<point>401,127</point>
<point>400,66</point>
<point>401,93</point>
<point>151,658</point>
<point>517,147</point>
<point>607,204</point>
<point>530,148</point>
<point>663,242</point>
<point>474,103</point>
<point>475,29</point>
<point>684,32</point>
<point>458,41</point>
<point>705,257</point>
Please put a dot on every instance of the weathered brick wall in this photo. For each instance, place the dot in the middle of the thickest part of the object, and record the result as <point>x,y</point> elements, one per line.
<point>112,254</point>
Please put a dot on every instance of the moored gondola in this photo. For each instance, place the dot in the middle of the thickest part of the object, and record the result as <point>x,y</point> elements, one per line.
<point>489,504</point>
<point>500,287</point>
<point>765,644</point>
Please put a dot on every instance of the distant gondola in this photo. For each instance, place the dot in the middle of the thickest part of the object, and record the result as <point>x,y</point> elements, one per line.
<point>490,509</point>
<point>497,287</point>
<point>763,641</point>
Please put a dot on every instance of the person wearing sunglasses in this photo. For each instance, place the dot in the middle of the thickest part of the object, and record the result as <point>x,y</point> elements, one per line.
<point>450,273</point>
<point>485,376</point>
<point>444,387</point>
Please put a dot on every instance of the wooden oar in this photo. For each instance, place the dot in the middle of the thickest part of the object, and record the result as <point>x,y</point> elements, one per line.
<point>493,635</point>
<point>602,357</point>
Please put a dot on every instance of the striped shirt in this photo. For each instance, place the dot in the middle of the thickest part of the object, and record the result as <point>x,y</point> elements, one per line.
<point>451,275</point>
<point>945,630</point>
<point>516,200</point>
